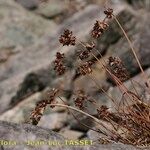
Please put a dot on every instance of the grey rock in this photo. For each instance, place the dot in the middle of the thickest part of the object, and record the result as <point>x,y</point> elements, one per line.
<point>26,26</point>
<point>29,4</point>
<point>75,125</point>
<point>52,8</point>
<point>54,121</point>
<point>21,133</point>
<point>142,46</point>
<point>21,112</point>
<point>30,85</point>
<point>139,34</point>
<point>71,134</point>
<point>139,4</point>
<point>138,84</point>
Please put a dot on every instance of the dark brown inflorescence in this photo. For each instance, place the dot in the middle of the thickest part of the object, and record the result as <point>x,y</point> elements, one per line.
<point>41,105</point>
<point>99,28</point>
<point>38,112</point>
<point>67,38</point>
<point>59,63</point>
<point>116,67</point>
<point>102,112</point>
<point>84,54</point>
<point>109,13</point>
<point>85,68</point>
<point>81,98</point>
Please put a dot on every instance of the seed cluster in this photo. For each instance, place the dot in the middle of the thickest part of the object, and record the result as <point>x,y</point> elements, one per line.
<point>84,54</point>
<point>81,98</point>
<point>99,28</point>
<point>67,38</point>
<point>41,105</point>
<point>85,68</point>
<point>59,66</point>
<point>116,67</point>
<point>109,13</point>
<point>102,112</point>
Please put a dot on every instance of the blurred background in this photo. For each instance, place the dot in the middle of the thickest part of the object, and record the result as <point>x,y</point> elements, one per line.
<point>29,32</point>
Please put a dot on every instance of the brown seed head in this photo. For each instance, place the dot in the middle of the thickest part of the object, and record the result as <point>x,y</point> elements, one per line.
<point>99,28</point>
<point>41,105</point>
<point>84,54</point>
<point>38,112</point>
<point>85,68</point>
<point>81,98</point>
<point>59,64</point>
<point>67,38</point>
<point>116,67</point>
<point>102,112</point>
<point>109,13</point>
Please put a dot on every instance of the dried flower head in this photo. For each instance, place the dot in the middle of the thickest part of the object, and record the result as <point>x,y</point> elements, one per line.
<point>85,68</point>
<point>102,112</point>
<point>59,64</point>
<point>109,13</point>
<point>84,54</point>
<point>41,105</point>
<point>116,67</point>
<point>67,38</point>
<point>38,112</point>
<point>99,28</point>
<point>81,98</point>
<point>51,96</point>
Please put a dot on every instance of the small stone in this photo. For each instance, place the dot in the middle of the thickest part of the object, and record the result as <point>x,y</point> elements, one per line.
<point>52,8</point>
<point>75,125</point>
<point>29,4</point>
<point>71,134</point>
<point>53,121</point>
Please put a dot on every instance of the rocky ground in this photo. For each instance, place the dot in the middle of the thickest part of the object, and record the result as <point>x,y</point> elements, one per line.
<point>29,32</point>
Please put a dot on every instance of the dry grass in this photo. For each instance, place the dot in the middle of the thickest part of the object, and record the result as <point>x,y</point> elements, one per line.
<point>128,123</point>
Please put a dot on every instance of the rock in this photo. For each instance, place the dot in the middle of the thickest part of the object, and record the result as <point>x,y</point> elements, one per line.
<point>93,135</point>
<point>139,85</point>
<point>29,4</point>
<point>75,125</point>
<point>21,133</point>
<point>52,8</point>
<point>71,134</point>
<point>139,4</point>
<point>141,48</point>
<point>21,112</point>
<point>139,40</point>
<point>54,121</point>
<point>26,26</point>
<point>30,85</point>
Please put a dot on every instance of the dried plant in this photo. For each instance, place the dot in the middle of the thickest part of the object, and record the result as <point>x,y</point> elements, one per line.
<point>99,28</point>
<point>59,66</point>
<point>116,67</point>
<point>67,38</point>
<point>130,124</point>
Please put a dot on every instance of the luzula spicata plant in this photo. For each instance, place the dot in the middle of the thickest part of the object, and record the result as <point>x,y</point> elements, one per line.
<point>130,123</point>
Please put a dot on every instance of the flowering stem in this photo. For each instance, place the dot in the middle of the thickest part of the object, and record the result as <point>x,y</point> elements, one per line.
<point>131,46</point>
